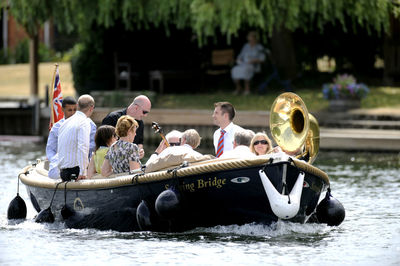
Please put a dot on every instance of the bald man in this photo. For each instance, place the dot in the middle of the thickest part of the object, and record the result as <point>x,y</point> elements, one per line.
<point>74,141</point>
<point>138,109</point>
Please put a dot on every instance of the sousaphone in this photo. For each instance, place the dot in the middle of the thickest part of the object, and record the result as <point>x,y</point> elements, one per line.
<point>311,147</point>
<point>293,128</point>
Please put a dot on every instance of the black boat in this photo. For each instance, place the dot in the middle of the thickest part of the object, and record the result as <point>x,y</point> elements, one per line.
<point>206,193</point>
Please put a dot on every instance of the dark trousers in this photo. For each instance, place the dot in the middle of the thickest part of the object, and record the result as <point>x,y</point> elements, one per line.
<point>68,174</point>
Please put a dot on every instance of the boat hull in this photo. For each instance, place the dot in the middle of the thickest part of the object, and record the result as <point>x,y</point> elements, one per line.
<point>208,198</point>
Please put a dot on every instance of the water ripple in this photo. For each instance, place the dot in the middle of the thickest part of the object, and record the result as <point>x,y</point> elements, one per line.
<point>368,186</point>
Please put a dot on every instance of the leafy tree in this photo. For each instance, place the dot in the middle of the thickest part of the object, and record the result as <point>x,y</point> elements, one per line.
<point>275,18</point>
<point>31,15</point>
<point>207,17</point>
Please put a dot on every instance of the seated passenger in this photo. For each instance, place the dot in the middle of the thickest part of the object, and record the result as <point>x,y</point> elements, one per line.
<point>260,144</point>
<point>123,155</point>
<point>241,143</point>
<point>104,138</point>
<point>189,141</point>
<point>249,62</point>
<point>173,138</point>
<point>174,155</point>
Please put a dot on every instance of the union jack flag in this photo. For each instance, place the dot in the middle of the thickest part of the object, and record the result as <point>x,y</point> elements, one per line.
<point>56,101</point>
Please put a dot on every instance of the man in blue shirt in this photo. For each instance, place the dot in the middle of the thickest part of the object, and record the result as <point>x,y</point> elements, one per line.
<point>69,108</point>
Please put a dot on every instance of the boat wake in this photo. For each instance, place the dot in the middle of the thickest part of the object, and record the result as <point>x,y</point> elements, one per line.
<point>279,229</point>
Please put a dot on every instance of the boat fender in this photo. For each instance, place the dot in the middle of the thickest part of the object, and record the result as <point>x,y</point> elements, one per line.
<point>34,202</point>
<point>143,216</point>
<point>167,204</point>
<point>45,216</point>
<point>67,211</point>
<point>330,210</point>
<point>283,206</point>
<point>16,208</point>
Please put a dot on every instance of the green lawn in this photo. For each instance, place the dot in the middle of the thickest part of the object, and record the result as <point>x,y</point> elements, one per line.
<point>378,97</point>
<point>382,97</point>
<point>14,82</point>
<point>14,79</point>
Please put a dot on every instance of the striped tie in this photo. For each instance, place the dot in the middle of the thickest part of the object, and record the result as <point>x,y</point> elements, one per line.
<point>220,148</point>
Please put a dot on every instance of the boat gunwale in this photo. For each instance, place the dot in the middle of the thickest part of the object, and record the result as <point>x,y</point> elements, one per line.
<point>28,178</point>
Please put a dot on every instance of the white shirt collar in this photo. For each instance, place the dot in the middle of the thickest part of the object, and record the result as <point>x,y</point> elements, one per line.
<point>80,113</point>
<point>228,127</point>
<point>187,146</point>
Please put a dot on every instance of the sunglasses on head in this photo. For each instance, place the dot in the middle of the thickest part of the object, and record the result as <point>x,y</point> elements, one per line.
<point>174,144</point>
<point>263,142</point>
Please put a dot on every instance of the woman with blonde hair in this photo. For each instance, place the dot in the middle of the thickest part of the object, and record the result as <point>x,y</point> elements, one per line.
<point>123,155</point>
<point>260,144</point>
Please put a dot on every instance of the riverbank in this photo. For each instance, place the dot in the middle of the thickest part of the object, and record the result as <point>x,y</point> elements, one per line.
<point>14,80</point>
<point>356,130</point>
<point>375,127</point>
<point>380,132</point>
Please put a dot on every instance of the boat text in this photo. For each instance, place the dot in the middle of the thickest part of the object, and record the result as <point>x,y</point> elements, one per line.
<point>201,184</point>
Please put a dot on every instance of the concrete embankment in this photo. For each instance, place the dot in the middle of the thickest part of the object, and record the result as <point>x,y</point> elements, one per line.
<point>359,130</point>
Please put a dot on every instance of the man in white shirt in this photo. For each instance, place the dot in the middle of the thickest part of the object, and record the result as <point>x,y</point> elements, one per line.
<point>223,115</point>
<point>69,106</point>
<point>241,145</point>
<point>74,141</point>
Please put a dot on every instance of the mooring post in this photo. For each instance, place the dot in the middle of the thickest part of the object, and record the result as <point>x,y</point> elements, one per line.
<point>35,106</point>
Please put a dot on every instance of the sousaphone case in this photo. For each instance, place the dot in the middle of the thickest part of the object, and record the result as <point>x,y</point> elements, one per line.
<point>293,128</point>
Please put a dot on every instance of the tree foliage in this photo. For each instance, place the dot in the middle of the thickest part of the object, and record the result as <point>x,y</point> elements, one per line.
<point>207,17</point>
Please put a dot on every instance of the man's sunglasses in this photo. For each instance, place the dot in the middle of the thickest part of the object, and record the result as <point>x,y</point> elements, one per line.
<point>263,142</point>
<point>174,144</point>
<point>143,111</point>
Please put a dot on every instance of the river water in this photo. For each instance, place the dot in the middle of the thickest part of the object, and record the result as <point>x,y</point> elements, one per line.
<point>368,186</point>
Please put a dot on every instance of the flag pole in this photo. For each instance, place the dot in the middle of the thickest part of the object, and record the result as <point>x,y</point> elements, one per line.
<point>51,95</point>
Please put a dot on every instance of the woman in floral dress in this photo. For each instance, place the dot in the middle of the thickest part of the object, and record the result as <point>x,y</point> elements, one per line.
<point>123,155</point>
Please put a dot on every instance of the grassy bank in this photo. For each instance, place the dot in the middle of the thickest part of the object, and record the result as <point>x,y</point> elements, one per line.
<point>377,98</point>
<point>249,102</point>
<point>14,82</point>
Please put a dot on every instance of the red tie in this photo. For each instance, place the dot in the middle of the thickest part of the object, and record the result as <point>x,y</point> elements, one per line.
<point>220,147</point>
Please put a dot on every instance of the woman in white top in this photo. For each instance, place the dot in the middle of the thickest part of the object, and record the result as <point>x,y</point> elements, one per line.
<point>248,62</point>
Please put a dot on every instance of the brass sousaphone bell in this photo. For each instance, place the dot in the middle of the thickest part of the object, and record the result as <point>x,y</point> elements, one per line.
<point>293,128</point>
